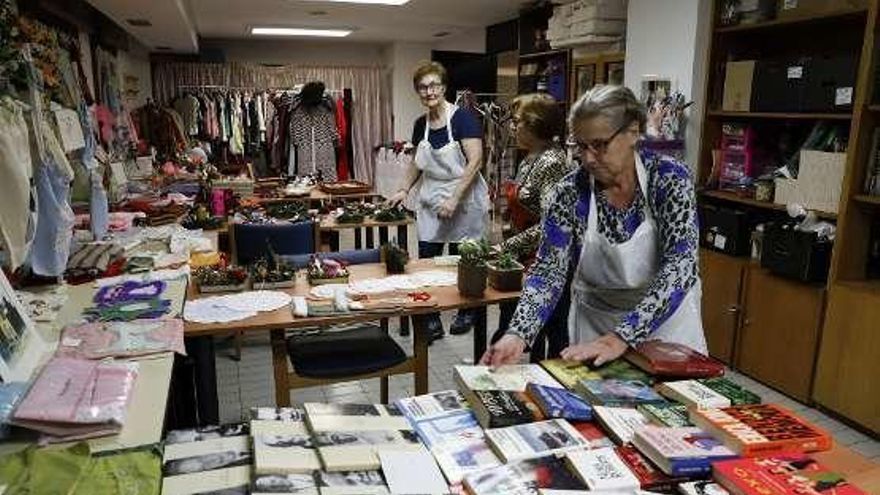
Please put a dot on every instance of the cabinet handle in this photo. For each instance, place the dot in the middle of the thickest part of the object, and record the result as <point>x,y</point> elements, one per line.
<point>746,322</point>
<point>733,309</point>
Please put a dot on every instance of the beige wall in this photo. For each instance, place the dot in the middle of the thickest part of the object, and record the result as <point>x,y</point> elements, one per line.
<point>296,52</point>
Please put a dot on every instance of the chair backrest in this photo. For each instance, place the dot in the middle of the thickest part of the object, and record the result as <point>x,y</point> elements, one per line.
<point>252,240</point>
<point>352,257</point>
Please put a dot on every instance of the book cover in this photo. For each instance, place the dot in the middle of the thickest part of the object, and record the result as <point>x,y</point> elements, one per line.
<point>232,480</point>
<point>668,359</point>
<point>202,433</point>
<point>412,472</point>
<point>569,373</point>
<point>354,417</point>
<point>702,487</point>
<point>450,428</point>
<point>283,447</point>
<point>620,422</point>
<point>618,393</point>
<point>595,437</point>
<point>460,458</point>
<point>512,378</point>
<point>358,450</point>
<point>789,474</point>
<point>602,469</point>
<point>183,450</point>
<point>352,483</point>
<point>560,403</point>
<point>669,414</point>
<point>534,440</point>
<point>524,478</point>
<point>761,429</point>
<point>735,393</point>
<point>683,451</point>
<point>278,413</point>
<point>649,476</point>
<point>693,393</point>
<point>300,484</point>
<point>432,405</point>
<point>500,408</point>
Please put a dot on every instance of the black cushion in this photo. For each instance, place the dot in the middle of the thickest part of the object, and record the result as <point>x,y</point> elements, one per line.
<point>345,353</point>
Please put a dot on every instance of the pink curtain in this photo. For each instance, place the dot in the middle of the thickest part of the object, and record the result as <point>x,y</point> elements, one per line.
<point>371,94</point>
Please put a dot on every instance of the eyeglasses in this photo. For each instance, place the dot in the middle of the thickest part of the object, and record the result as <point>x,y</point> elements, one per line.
<point>597,146</point>
<point>433,87</point>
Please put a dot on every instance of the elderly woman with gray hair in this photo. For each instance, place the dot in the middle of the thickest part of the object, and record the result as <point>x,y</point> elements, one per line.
<point>623,226</point>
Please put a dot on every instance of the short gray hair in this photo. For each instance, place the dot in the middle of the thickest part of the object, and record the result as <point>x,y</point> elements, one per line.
<point>618,104</point>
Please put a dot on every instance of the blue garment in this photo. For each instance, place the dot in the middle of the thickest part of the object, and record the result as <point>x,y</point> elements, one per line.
<point>99,207</point>
<point>51,247</point>
<point>464,125</point>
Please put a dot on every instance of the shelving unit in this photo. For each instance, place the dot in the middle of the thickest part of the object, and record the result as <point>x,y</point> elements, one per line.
<point>829,351</point>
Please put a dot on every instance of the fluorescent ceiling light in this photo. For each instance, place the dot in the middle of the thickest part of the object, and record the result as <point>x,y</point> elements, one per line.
<point>279,31</point>
<point>373,2</point>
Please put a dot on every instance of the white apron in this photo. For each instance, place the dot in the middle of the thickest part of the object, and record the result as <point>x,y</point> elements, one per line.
<point>611,279</point>
<point>441,171</point>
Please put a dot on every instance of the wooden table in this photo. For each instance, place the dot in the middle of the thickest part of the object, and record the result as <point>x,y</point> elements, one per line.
<point>276,322</point>
<point>317,196</point>
<point>329,224</point>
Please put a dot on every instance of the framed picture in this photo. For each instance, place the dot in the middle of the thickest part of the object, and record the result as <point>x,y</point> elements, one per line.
<point>585,78</point>
<point>614,73</point>
<point>21,347</point>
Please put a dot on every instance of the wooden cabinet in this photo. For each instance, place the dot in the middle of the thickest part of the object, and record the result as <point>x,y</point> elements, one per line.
<point>780,331</point>
<point>722,280</point>
<point>849,358</point>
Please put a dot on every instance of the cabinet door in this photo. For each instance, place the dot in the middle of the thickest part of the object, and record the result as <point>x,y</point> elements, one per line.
<point>722,277</point>
<point>780,332</point>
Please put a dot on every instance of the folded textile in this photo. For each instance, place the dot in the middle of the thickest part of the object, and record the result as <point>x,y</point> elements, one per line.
<point>121,339</point>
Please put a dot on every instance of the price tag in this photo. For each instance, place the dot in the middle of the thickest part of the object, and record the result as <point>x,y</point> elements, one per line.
<point>796,72</point>
<point>71,342</point>
<point>843,96</point>
<point>720,241</point>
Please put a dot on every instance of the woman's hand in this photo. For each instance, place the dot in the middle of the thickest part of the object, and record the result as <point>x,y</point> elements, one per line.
<point>447,208</point>
<point>508,350</point>
<point>600,351</point>
<point>397,198</point>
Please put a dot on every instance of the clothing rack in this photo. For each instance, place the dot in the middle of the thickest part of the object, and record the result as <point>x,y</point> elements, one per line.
<point>334,92</point>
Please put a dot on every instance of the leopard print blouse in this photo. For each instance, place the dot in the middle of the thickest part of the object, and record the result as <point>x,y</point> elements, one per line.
<point>672,200</point>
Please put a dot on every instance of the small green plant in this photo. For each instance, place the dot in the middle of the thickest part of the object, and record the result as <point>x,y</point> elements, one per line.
<point>473,252</point>
<point>506,261</point>
<point>395,257</point>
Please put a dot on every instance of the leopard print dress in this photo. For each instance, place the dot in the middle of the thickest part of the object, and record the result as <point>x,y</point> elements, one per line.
<point>672,200</point>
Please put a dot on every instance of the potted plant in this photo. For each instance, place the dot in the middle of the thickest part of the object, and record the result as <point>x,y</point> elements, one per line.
<point>389,214</point>
<point>472,267</point>
<point>220,279</point>
<point>272,272</point>
<point>395,258</point>
<point>326,271</point>
<point>505,273</point>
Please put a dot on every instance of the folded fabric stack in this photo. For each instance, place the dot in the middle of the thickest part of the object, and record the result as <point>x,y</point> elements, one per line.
<point>587,22</point>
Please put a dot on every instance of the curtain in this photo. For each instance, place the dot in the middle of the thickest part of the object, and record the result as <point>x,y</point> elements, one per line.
<point>371,89</point>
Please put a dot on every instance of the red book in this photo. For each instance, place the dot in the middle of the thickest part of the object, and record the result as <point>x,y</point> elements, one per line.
<point>593,434</point>
<point>793,474</point>
<point>761,429</point>
<point>650,477</point>
<point>673,360</point>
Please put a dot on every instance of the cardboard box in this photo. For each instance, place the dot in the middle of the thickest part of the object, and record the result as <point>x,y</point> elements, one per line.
<point>818,184</point>
<point>738,86</point>
<point>802,8</point>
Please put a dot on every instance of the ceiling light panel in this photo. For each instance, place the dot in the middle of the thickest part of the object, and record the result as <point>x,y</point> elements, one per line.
<point>371,2</point>
<point>286,31</point>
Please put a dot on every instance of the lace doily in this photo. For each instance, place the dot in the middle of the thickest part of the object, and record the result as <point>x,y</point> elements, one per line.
<point>233,307</point>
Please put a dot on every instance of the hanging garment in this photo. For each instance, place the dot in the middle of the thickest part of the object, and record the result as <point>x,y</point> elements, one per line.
<point>313,132</point>
<point>188,108</point>
<point>441,171</point>
<point>18,203</point>
<point>236,143</point>
<point>611,279</point>
<point>349,133</point>
<point>342,165</point>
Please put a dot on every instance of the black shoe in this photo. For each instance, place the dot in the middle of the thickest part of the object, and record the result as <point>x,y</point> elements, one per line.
<point>464,322</point>
<point>435,329</point>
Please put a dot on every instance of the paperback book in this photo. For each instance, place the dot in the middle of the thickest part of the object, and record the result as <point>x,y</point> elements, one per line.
<point>618,393</point>
<point>460,458</point>
<point>683,451</point>
<point>230,480</point>
<point>761,429</point>
<point>668,359</point>
<point>602,469</point>
<point>649,476</point>
<point>358,450</point>
<point>569,373</point>
<point>352,483</point>
<point>534,440</point>
<point>500,408</point>
<point>595,437</point>
<point>693,394</point>
<point>278,413</point>
<point>354,417</point>
<point>283,447</point>
<point>620,422</point>
<point>300,484</point>
<point>702,487</point>
<point>524,478</point>
<point>737,395</point>
<point>432,405</point>
<point>461,426</point>
<point>512,378</point>
<point>560,403</point>
<point>669,414</point>
<point>789,474</point>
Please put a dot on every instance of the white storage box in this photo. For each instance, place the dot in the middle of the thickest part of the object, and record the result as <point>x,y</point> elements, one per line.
<point>818,184</point>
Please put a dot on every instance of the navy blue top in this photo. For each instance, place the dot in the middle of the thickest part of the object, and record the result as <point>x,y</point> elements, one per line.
<point>464,125</point>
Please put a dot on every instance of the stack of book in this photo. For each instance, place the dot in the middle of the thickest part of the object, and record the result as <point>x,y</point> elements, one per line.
<point>498,397</point>
<point>212,458</point>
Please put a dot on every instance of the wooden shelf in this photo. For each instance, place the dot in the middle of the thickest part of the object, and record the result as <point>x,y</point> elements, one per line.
<point>869,286</point>
<point>779,115</point>
<point>874,108</point>
<point>548,53</point>
<point>734,198</point>
<point>867,199</point>
<point>831,16</point>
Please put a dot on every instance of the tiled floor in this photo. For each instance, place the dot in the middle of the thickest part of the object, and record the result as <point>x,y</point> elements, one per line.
<point>250,383</point>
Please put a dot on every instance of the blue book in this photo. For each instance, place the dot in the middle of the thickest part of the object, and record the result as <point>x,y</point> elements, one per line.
<point>560,403</point>
<point>454,427</point>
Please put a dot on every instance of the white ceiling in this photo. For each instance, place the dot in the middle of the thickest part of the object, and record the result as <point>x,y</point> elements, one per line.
<point>177,22</point>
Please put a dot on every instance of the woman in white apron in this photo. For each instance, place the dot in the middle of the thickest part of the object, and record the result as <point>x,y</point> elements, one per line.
<point>453,198</point>
<point>624,228</point>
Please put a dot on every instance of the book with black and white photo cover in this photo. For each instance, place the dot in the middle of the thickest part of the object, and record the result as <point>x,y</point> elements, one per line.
<point>533,440</point>
<point>219,457</point>
<point>352,483</point>
<point>512,378</point>
<point>458,459</point>
<point>236,479</point>
<point>702,487</point>
<point>283,447</point>
<point>524,477</point>
<point>455,427</point>
<point>693,394</point>
<point>602,469</point>
<point>195,442</point>
<point>278,413</point>
<point>620,422</point>
<point>358,450</point>
<point>299,484</point>
<point>354,417</point>
<point>429,406</point>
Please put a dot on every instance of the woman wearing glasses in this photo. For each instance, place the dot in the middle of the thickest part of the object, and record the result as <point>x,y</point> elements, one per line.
<point>453,198</point>
<point>625,225</point>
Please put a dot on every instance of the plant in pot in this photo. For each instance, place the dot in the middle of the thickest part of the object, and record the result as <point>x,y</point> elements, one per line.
<point>395,258</point>
<point>505,273</point>
<point>472,267</point>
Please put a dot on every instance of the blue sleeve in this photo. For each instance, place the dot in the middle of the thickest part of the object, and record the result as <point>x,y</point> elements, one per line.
<point>418,131</point>
<point>465,124</point>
